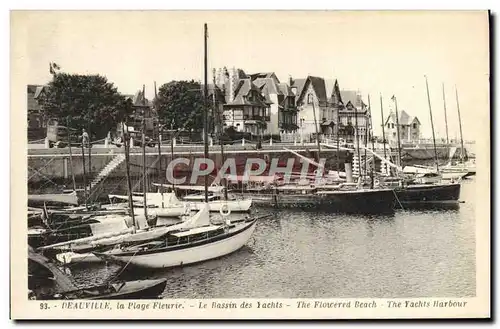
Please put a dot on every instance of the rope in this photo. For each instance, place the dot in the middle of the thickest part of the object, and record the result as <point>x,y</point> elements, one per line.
<point>123,269</point>
<point>395,195</point>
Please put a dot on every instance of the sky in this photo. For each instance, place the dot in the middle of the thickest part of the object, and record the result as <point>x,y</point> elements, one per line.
<point>378,53</point>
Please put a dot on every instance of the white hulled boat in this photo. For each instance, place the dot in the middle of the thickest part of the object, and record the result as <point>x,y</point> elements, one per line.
<point>200,242</point>
<point>159,204</point>
<point>216,200</point>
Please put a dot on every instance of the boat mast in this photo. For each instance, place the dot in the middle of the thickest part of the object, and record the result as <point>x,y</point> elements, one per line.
<point>445,117</point>
<point>90,158</point>
<point>383,126</point>
<point>366,141</point>
<point>338,142</point>
<point>357,137</point>
<point>371,138</point>
<point>205,116</point>
<point>126,144</point>
<point>460,125</point>
<point>432,124</point>
<point>215,109</point>
<point>397,129</point>
<point>316,128</point>
<point>84,175</point>
<point>144,151</point>
<point>70,155</point>
<point>172,153</point>
<point>159,148</point>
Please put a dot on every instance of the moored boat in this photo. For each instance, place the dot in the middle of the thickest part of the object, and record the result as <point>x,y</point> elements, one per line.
<point>216,200</point>
<point>47,282</point>
<point>202,242</point>
<point>329,198</point>
<point>70,198</point>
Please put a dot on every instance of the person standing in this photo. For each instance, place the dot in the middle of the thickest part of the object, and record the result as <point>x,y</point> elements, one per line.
<point>85,138</point>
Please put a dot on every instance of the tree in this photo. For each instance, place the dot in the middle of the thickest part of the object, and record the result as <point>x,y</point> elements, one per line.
<point>85,102</point>
<point>180,105</point>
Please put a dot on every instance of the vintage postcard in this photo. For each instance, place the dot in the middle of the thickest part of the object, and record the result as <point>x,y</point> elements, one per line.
<point>250,165</point>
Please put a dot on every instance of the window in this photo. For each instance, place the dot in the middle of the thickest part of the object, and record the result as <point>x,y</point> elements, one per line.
<point>414,126</point>
<point>309,98</point>
<point>393,134</point>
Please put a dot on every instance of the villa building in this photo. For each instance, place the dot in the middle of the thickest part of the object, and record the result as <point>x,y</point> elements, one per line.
<point>409,128</point>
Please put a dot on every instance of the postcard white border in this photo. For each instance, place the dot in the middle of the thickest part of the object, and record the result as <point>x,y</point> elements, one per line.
<point>22,308</point>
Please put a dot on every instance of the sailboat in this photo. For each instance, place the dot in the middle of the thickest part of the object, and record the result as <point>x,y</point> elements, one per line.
<point>46,281</point>
<point>462,166</point>
<point>423,186</point>
<point>328,192</point>
<point>199,239</point>
<point>451,170</point>
<point>136,232</point>
<point>217,201</point>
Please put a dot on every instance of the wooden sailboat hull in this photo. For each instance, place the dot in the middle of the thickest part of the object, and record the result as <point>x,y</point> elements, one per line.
<point>377,201</point>
<point>53,199</point>
<point>432,193</point>
<point>140,289</point>
<point>179,255</point>
<point>218,205</point>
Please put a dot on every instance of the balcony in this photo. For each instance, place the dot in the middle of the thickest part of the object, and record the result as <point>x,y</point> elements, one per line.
<point>290,108</point>
<point>256,118</point>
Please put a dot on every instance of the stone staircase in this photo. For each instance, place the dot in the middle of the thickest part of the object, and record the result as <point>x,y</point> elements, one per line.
<point>112,165</point>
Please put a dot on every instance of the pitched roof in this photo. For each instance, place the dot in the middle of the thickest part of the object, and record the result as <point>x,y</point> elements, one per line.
<point>242,90</point>
<point>269,85</point>
<point>404,118</point>
<point>336,97</point>
<point>138,99</point>
<point>285,89</point>
<point>261,75</point>
<point>36,90</point>
<point>241,74</point>
<point>351,96</point>
<point>318,85</point>
<point>299,84</point>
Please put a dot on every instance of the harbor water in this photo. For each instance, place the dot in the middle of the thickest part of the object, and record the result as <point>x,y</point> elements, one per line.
<point>298,254</point>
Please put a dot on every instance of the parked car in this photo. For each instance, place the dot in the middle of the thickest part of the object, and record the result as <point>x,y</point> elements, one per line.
<point>58,135</point>
<point>137,139</point>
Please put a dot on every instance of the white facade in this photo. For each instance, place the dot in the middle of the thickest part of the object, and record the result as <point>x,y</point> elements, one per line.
<point>409,129</point>
<point>273,124</point>
<point>306,114</point>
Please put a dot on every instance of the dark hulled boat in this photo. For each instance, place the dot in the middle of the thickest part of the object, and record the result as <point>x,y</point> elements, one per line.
<point>47,282</point>
<point>427,189</point>
<point>356,201</point>
<point>435,193</point>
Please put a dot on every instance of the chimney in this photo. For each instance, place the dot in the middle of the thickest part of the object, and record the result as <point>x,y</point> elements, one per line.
<point>233,79</point>
<point>294,88</point>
